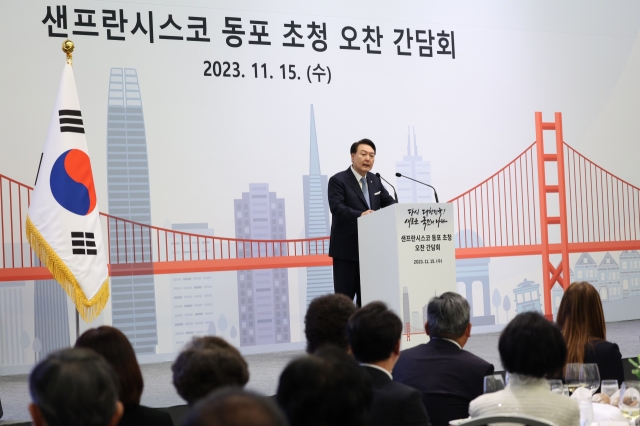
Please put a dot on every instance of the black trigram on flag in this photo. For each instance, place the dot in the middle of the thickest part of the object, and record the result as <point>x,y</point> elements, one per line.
<point>80,240</point>
<point>71,121</point>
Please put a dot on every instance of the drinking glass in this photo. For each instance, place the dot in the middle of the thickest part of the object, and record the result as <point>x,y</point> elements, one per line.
<point>609,387</point>
<point>630,400</point>
<point>590,376</point>
<point>493,383</point>
<point>572,377</point>
<point>556,386</point>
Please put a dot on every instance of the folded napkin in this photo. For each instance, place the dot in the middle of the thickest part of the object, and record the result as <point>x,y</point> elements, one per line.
<point>601,412</point>
<point>604,412</point>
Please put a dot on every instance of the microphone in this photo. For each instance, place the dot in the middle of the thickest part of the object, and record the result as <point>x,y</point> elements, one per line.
<point>407,177</point>
<point>394,189</point>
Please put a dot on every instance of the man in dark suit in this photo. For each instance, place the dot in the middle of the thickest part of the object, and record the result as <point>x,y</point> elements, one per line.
<point>327,388</point>
<point>374,334</point>
<point>353,193</point>
<point>448,377</point>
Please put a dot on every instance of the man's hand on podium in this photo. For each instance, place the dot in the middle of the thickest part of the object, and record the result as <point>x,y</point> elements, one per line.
<point>366,212</point>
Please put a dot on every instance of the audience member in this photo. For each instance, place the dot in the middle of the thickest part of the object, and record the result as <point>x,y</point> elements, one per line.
<point>235,407</point>
<point>325,321</point>
<point>207,363</point>
<point>531,347</point>
<point>74,387</point>
<point>327,388</point>
<point>581,320</point>
<point>447,376</point>
<point>116,349</point>
<point>374,334</point>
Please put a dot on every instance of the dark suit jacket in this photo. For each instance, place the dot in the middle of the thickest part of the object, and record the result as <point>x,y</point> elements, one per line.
<point>178,413</point>
<point>394,404</point>
<point>447,376</point>
<point>139,415</point>
<point>607,356</point>
<point>346,202</point>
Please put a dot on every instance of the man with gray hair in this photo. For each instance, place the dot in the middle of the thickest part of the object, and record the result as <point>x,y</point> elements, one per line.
<point>74,387</point>
<point>447,376</point>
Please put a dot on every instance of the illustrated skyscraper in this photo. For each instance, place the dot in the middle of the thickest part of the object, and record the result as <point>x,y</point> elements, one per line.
<point>316,217</point>
<point>406,309</point>
<point>263,294</point>
<point>415,321</point>
<point>51,317</point>
<point>11,323</point>
<point>191,294</point>
<point>133,297</point>
<point>14,301</point>
<point>414,167</point>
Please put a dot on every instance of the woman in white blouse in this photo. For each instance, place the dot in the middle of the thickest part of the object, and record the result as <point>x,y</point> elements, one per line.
<point>531,348</point>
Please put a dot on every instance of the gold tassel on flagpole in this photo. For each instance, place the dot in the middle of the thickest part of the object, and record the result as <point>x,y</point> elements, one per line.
<point>88,309</point>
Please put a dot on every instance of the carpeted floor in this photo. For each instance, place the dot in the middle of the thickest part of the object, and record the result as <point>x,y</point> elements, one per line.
<point>266,368</point>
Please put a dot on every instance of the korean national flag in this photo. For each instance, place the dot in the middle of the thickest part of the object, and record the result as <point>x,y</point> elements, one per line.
<point>63,223</point>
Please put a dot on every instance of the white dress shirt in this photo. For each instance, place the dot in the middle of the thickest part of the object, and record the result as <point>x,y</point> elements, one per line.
<point>358,177</point>
<point>448,340</point>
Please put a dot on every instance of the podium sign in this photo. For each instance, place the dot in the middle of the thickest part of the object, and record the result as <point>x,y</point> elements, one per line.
<point>407,256</point>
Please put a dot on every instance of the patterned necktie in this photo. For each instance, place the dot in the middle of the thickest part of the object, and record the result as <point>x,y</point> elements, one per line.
<point>365,190</point>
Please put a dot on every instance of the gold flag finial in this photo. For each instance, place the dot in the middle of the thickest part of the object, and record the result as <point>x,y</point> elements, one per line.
<point>67,47</point>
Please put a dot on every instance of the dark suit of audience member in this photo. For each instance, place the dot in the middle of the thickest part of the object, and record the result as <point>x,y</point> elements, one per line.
<point>349,199</point>
<point>394,404</point>
<point>448,377</point>
<point>326,388</point>
<point>136,415</point>
<point>608,357</point>
<point>114,346</point>
<point>374,334</point>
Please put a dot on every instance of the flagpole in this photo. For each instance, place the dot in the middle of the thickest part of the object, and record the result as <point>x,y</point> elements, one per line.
<point>67,48</point>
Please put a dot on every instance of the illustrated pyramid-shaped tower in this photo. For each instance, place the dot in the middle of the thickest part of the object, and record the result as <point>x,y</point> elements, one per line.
<point>316,217</point>
<point>413,166</point>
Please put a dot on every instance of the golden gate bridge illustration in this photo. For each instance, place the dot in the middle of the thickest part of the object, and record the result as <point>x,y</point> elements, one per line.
<point>511,213</point>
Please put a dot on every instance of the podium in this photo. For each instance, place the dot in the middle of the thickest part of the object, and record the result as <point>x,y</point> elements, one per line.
<point>407,256</point>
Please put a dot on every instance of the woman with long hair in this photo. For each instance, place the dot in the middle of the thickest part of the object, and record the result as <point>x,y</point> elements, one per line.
<point>114,346</point>
<point>581,320</point>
